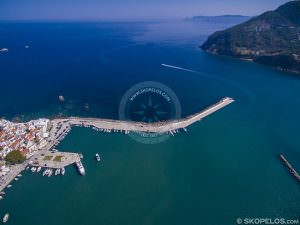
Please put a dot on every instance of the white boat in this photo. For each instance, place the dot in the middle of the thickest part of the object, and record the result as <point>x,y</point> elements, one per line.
<point>98,157</point>
<point>33,169</point>
<point>50,172</point>
<point>5,218</point>
<point>9,186</point>
<point>1,197</point>
<point>80,168</point>
<point>46,172</point>
<point>27,168</point>
<point>19,175</point>
<point>63,170</point>
<point>39,169</point>
<point>16,179</point>
<point>57,171</point>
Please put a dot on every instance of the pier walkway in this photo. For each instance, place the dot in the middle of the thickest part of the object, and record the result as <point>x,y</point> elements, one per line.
<point>159,127</point>
<point>55,160</point>
<point>290,167</point>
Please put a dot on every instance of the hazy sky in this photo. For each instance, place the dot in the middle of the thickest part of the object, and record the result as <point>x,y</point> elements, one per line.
<point>128,9</point>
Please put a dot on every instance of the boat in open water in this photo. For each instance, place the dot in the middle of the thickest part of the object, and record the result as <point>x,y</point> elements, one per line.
<point>5,218</point>
<point>98,158</point>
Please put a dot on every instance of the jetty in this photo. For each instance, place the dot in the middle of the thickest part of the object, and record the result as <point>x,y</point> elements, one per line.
<point>157,127</point>
<point>290,168</point>
<point>55,160</point>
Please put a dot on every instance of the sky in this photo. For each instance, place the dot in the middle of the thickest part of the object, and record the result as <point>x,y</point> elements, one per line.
<point>128,9</point>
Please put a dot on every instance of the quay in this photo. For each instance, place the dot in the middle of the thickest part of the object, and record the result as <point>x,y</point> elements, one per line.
<point>55,160</point>
<point>158,127</point>
<point>290,167</point>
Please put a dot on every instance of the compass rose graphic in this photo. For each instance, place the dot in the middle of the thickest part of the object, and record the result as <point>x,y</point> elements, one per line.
<point>149,102</point>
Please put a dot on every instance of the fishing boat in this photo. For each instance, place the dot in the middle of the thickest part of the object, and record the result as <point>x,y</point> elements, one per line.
<point>5,218</point>
<point>98,157</point>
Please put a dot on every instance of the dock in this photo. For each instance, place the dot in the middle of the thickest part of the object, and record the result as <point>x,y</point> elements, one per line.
<point>158,127</point>
<point>293,172</point>
<point>55,160</point>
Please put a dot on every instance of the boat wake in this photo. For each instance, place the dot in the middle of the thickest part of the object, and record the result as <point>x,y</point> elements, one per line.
<point>210,76</point>
<point>179,68</point>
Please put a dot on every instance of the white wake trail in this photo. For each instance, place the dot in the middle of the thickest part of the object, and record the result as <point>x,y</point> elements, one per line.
<point>179,68</point>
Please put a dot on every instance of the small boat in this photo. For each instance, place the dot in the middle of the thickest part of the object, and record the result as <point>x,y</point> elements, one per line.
<point>27,168</point>
<point>63,170</point>
<point>16,179</point>
<point>98,157</point>
<point>5,218</point>
<point>57,171</point>
<point>1,197</point>
<point>9,186</point>
<point>19,175</point>
<point>33,169</point>
<point>50,172</point>
<point>39,169</point>
<point>2,193</point>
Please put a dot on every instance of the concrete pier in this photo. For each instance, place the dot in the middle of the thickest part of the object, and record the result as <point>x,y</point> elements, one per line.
<point>159,127</point>
<point>290,167</point>
<point>55,160</point>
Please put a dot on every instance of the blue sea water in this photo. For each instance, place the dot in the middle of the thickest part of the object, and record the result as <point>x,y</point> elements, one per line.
<point>226,166</point>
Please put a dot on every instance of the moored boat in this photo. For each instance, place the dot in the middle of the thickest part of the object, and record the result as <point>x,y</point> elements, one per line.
<point>63,170</point>
<point>80,168</point>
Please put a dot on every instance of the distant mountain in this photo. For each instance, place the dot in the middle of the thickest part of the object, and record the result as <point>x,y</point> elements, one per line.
<point>272,38</point>
<point>222,18</point>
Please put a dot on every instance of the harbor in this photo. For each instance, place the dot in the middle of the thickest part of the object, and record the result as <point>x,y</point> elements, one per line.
<point>53,160</point>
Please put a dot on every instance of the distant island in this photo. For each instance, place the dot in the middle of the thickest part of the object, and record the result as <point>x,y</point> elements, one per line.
<point>221,18</point>
<point>272,39</point>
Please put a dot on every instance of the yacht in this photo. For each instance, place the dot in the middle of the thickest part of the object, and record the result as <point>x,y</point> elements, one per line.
<point>98,157</point>
<point>80,168</point>
<point>5,218</point>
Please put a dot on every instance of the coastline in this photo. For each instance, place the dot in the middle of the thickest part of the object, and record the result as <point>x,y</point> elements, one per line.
<point>60,128</point>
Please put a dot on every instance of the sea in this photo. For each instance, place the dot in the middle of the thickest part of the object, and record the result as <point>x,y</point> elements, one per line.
<point>224,169</point>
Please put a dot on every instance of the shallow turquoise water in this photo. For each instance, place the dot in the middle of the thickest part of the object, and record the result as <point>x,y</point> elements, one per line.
<point>225,167</point>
